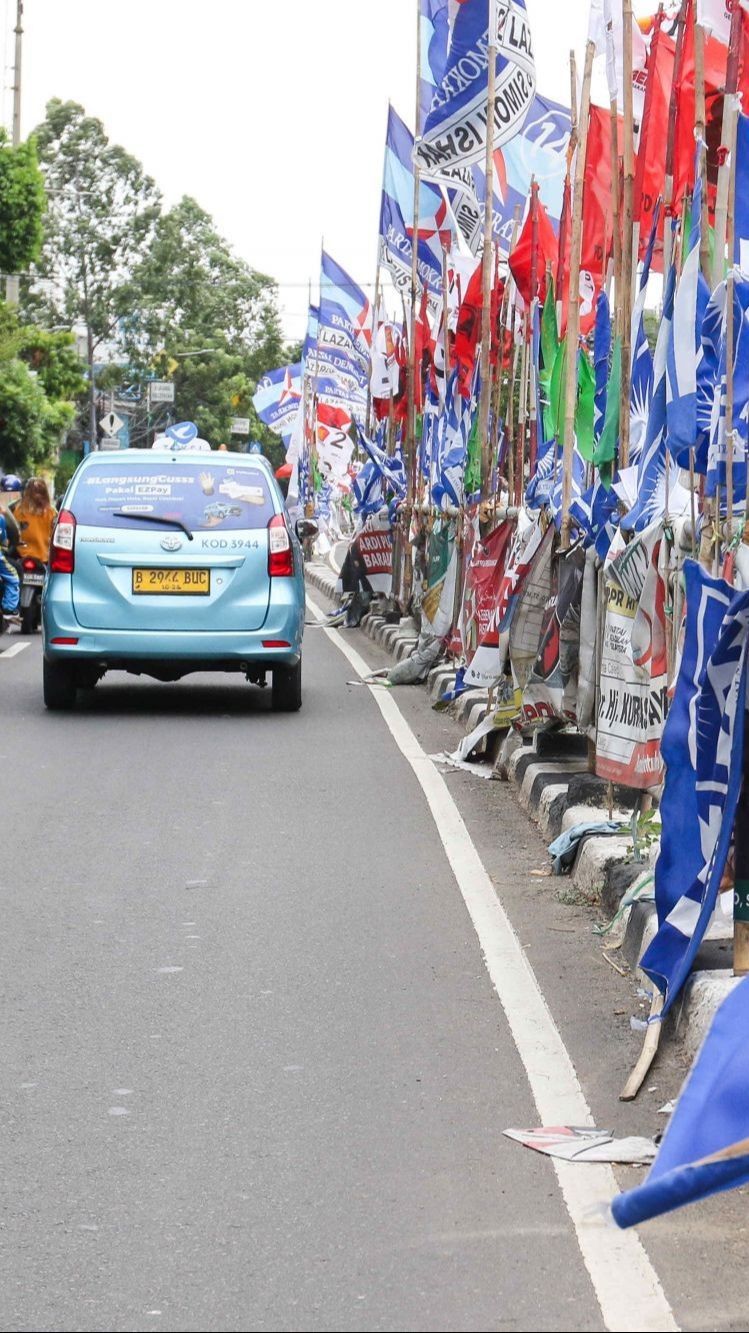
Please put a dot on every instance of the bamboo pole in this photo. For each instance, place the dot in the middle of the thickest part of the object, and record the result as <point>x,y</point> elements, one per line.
<point>668,191</point>
<point>573,315</point>
<point>486,274</point>
<point>411,370</point>
<point>627,266</point>
<point>731,232</point>
<point>726,139</point>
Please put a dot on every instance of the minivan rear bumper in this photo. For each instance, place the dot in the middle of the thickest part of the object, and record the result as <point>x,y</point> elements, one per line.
<point>205,650</point>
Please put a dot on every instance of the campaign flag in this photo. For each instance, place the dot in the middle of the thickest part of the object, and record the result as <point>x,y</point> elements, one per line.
<point>448,463</point>
<point>397,215</point>
<point>703,751</point>
<point>741,206</point>
<point>522,260</point>
<point>276,399</point>
<point>392,470</point>
<point>690,303</point>
<point>606,30</point>
<point>341,359</point>
<point>705,1148</point>
<point>650,170</point>
<point>604,456</point>
<point>454,134</point>
<point>734,443</point>
<point>651,467</point>
<point>538,151</point>
<point>601,354</point>
<point>641,382</point>
<point>434,38</point>
<point>367,490</point>
<point>598,216</point>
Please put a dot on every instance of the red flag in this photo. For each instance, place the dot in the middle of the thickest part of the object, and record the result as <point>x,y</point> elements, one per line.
<point>547,252</point>
<point>468,331</point>
<point>650,172</point>
<point>598,213</point>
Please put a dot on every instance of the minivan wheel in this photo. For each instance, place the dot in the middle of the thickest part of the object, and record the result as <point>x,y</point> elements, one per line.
<point>286,691</point>
<point>59,685</point>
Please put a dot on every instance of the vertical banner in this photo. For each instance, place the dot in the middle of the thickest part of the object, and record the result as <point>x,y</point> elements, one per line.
<point>634,671</point>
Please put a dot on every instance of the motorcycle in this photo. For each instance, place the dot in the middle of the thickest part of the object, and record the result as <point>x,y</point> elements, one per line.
<point>32,575</point>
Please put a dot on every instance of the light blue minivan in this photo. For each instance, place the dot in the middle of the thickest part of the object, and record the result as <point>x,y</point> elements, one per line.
<point>165,563</point>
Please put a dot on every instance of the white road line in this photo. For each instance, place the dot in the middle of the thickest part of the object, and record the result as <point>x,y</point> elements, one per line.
<point>13,652</point>
<point>625,1283</point>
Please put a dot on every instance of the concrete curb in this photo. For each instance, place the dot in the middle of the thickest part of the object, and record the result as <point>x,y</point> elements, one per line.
<point>555,787</point>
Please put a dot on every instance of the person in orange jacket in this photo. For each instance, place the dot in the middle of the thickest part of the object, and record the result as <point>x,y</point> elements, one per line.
<point>35,515</point>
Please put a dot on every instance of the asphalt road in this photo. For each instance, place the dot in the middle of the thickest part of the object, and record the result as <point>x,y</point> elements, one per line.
<point>255,1075</point>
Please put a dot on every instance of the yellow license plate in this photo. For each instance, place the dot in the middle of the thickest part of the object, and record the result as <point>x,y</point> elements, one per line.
<point>186,582</point>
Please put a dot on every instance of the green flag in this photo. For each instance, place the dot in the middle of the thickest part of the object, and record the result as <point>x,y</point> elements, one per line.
<point>473,460</point>
<point>549,331</point>
<point>554,414</point>
<point>604,454</point>
<point>586,386</point>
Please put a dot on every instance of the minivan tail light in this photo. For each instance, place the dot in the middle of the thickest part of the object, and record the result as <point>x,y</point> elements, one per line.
<point>62,552</point>
<point>280,552</point>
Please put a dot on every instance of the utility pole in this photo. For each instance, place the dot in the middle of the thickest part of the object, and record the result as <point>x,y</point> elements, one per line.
<point>12,283</point>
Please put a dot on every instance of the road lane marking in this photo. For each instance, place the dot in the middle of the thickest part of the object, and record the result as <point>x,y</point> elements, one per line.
<point>626,1285</point>
<point>14,651</point>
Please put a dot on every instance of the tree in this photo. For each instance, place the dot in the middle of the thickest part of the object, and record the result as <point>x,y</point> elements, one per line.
<point>22,204</point>
<point>101,213</point>
<point>40,381</point>
<point>212,317</point>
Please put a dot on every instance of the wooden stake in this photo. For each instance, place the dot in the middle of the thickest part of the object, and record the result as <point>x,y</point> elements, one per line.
<point>486,276</point>
<point>627,267</point>
<point>533,445</point>
<point>573,315</point>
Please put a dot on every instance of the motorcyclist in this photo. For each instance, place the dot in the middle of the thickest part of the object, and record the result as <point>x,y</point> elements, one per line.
<point>10,584</point>
<point>35,515</point>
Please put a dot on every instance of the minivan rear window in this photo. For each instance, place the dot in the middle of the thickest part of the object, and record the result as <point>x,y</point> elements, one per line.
<point>200,496</point>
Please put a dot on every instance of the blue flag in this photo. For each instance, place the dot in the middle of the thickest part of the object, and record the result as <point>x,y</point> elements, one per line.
<point>741,206</point>
<point>601,356</point>
<point>454,133</point>
<point>690,304</point>
<point>397,215</point>
<point>641,384</point>
<point>434,38</point>
<point>651,468</point>
<point>705,1149</point>
<point>391,470</point>
<point>702,748</point>
<point>720,444</point>
<point>449,459</point>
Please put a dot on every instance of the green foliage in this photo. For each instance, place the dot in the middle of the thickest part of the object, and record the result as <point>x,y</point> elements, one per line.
<point>40,380</point>
<point>22,203</point>
<point>101,212</point>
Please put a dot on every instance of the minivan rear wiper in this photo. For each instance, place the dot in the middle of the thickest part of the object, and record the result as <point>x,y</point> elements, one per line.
<point>156,518</point>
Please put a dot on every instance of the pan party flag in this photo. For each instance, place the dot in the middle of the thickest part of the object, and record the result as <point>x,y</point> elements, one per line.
<point>397,220</point>
<point>455,128</point>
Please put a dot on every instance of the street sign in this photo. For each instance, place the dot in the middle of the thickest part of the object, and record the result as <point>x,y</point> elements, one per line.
<point>161,391</point>
<point>111,423</point>
<point>240,426</point>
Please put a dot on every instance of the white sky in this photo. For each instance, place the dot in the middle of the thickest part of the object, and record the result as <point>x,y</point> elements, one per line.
<point>271,113</point>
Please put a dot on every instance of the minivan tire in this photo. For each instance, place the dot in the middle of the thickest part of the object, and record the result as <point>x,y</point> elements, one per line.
<point>286,691</point>
<point>59,686</point>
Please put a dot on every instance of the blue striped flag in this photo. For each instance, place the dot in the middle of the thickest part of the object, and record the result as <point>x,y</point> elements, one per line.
<point>705,1149</point>
<point>702,749</point>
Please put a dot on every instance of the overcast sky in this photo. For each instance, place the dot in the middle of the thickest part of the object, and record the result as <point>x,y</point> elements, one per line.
<point>272,115</point>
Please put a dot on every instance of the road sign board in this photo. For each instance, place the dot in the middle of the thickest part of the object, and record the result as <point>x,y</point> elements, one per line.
<point>111,423</point>
<point>240,426</point>
<point>161,391</point>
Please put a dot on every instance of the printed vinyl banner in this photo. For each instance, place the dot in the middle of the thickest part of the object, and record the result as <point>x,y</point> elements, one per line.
<point>455,129</point>
<point>484,578</point>
<point>634,674</point>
